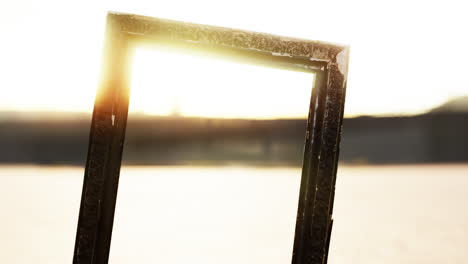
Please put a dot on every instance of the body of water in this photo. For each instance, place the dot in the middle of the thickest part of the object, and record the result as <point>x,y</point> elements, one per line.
<point>383,214</point>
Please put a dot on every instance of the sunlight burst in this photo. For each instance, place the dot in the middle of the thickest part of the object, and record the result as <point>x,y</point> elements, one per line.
<point>169,83</point>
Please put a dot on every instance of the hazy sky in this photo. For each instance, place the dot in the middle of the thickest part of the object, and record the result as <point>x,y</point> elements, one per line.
<point>406,56</point>
<point>166,82</point>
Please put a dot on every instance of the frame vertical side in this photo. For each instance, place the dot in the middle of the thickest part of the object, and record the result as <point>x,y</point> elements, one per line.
<point>337,154</point>
<point>310,166</point>
<point>104,153</point>
<point>326,175</point>
<point>119,117</point>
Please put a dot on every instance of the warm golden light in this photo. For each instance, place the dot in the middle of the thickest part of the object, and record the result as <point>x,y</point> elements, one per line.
<point>50,53</point>
<point>170,83</point>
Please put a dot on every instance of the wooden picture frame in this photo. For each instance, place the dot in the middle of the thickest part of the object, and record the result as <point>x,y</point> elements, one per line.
<point>123,32</point>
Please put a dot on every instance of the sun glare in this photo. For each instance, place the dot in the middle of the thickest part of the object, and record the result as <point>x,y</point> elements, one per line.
<point>171,83</point>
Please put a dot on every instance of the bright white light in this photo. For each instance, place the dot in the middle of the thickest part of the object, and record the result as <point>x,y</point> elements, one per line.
<point>406,56</point>
<point>165,83</point>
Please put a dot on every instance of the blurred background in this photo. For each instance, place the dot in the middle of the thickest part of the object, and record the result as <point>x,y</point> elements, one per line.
<point>211,166</point>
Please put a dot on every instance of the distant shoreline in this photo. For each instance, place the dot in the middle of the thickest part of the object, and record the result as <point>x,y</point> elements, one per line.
<point>429,138</point>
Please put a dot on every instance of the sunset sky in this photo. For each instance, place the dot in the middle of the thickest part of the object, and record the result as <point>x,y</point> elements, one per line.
<point>406,56</point>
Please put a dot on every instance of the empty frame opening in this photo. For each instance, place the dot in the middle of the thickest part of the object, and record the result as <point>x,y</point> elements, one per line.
<point>211,162</point>
<point>170,83</point>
